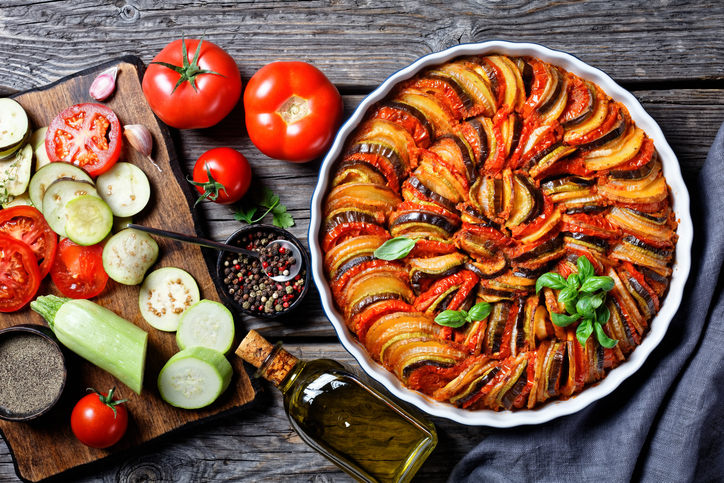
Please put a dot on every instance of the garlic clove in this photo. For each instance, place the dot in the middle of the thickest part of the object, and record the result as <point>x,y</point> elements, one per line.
<point>104,85</point>
<point>140,138</point>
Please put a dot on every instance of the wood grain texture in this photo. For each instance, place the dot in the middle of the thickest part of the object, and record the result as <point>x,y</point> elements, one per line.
<point>151,416</point>
<point>637,41</point>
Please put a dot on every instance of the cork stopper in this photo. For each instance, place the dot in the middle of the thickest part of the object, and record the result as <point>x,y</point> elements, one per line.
<point>273,362</point>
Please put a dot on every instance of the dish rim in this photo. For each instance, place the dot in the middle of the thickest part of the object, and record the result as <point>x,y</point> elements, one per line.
<point>660,323</point>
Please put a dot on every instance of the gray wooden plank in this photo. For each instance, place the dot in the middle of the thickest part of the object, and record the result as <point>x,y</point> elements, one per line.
<point>260,446</point>
<point>634,42</point>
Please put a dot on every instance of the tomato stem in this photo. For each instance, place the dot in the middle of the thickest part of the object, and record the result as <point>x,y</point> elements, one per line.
<point>189,71</point>
<point>108,400</point>
<point>211,187</point>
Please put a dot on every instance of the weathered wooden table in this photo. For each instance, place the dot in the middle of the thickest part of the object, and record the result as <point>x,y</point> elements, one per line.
<point>669,53</point>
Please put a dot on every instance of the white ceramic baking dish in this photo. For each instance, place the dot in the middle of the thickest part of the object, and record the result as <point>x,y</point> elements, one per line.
<point>659,325</point>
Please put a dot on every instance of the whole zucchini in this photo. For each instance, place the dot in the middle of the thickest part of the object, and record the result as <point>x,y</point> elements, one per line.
<point>97,335</point>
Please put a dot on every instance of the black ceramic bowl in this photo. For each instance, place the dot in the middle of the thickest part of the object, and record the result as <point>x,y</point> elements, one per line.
<point>45,333</point>
<point>233,240</point>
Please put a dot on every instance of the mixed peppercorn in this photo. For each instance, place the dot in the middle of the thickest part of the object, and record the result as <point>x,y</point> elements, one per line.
<point>247,279</point>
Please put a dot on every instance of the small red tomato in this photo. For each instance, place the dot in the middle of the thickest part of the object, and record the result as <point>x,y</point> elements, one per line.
<point>292,111</point>
<point>99,420</point>
<point>222,175</point>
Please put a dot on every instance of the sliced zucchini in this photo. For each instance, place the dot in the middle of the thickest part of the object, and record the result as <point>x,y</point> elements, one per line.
<point>46,175</point>
<point>206,324</point>
<point>41,157</point>
<point>37,139</point>
<point>14,127</point>
<point>165,296</point>
<point>20,200</point>
<point>89,220</point>
<point>125,188</point>
<point>15,173</point>
<point>194,378</point>
<point>128,255</point>
<point>56,199</point>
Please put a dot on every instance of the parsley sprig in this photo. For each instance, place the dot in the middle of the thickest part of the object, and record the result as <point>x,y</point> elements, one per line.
<point>270,201</point>
<point>458,318</point>
<point>583,295</point>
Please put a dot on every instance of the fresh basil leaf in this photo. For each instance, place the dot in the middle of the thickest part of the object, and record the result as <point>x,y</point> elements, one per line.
<point>585,269</point>
<point>597,283</point>
<point>567,295</point>
<point>584,306</point>
<point>451,318</point>
<point>395,249</point>
<point>564,320</point>
<point>584,331</point>
<point>574,281</point>
<point>602,315</point>
<point>480,311</point>
<point>571,307</point>
<point>597,300</point>
<point>550,279</point>
<point>603,339</point>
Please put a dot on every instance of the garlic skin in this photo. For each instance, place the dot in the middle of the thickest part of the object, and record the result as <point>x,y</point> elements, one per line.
<point>140,138</point>
<point>104,85</point>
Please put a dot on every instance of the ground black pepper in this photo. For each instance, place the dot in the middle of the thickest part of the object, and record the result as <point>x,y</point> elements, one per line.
<point>31,373</point>
<point>246,279</point>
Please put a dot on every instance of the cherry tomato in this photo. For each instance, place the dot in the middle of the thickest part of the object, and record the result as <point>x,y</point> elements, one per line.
<point>197,93</point>
<point>222,175</point>
<point>27,224</point>
<point>85,135</point>
<point>292,111</point>
<point>78,271</point>
<point>19,274</point>
<point>99,420</point>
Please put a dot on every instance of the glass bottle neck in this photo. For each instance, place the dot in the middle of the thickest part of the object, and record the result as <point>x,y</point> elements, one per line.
<point>280,368</point>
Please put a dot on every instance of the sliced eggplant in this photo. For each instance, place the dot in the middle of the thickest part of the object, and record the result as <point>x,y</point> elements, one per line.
<point>383,149</point>
<point>587,240</point>
<point>462,161</point>
<point>489,269</point>
<point>482,140</point>
<point>14,127</point>
<point>15,173</point>
<point>616,131</point>
<point>418,185</point>
<point>549,246</point>
<point>414,112</point>
<point>582,100</point>
<point>454,84</point>
<point>636,174</point>
<point>423,217</point>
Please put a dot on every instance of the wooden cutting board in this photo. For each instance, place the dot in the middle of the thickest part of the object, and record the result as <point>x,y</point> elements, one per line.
<point>46,447</point>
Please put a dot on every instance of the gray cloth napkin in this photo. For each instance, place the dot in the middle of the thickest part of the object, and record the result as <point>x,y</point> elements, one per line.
<point>666,422</point>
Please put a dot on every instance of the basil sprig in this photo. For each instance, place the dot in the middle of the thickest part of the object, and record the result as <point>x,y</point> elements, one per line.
<point>458,318</point>
<point>583,295</point>
<point>395,249</point>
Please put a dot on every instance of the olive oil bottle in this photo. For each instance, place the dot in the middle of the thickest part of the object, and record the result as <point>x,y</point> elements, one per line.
<point>342,416</point>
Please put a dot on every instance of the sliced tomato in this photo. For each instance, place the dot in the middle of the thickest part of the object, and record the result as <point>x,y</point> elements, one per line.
<point>85,135</point>
<point>78,271</point>
<point>27,224</point>
<point>19,274</point>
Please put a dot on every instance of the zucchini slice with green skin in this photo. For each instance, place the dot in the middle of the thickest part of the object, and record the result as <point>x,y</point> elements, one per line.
<point>89,220</point>
<point>206,324</point>
<point>98,336</point>
<point>37,139</point>
<point>41,158</point>
<point>128,255</point>
<point>56,198</point>
<point>194,378</point>
<point>125,188</point>
<point>48,174</point>
<point>15,173</point>
<point>165,295</point>
<point>14,127</point>
<point>21,200</point>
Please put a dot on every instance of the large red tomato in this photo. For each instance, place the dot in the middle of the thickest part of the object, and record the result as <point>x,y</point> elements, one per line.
<point>222,175</point>
<point>86,135</point>
<point>78,271</point>
<point>192,84</point>
<point>292,111</point>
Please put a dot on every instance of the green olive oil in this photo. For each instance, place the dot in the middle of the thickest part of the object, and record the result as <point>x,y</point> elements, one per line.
<point>343,416</point>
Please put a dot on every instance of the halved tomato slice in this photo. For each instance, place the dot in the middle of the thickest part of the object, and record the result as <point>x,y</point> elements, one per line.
<point>85,135</point>
<point>19,274</point>
<point>27,224</point>
<point>78,271</point>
